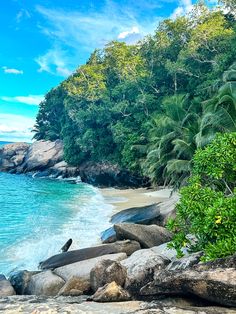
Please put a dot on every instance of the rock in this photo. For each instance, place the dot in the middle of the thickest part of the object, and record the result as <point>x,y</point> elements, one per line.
<point>184,262</point>
<point>147,236</point>
<point>45,283</point>
<point>82,269</point>
<point>75,287</point>
<point>141,266</point>
<point>208,281</point>
<point>42,155</point>
<point>138,215</point>
<point>2,277</point>
<point>6,288</point>
<point>105,174</point>
<point>108,235</point>
<point>111,292</point>
<point>70,257</point>
<point>166,252</point>
<point>105,272</point>
<point>66,305</point>
<point>20,280</point>
<point>12,155</point>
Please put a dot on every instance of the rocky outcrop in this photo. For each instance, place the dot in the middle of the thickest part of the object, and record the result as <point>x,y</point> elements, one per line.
<point>42,155</point>
<point>141,266</point>
<point>70,257</point>
<point>45,159</point>
<point>139,215</point>
<point>6,288</point>
<point>12,156</point>
<point>105,272</point>
<point>211,281</point>
<point>45,283</point>
<point>82,269</point>
<point>147,236</point>
<point>111,292</point>
<point>105,174</point>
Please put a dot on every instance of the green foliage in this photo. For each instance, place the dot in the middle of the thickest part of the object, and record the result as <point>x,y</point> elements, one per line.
<point>149,106</point>
<point>207,208</point>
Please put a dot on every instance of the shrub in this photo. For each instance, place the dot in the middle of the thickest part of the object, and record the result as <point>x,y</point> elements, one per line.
<point>206,212</point>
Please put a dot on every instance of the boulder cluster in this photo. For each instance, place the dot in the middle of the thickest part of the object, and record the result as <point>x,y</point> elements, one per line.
<point>135,264</point>
<point>46,159</point>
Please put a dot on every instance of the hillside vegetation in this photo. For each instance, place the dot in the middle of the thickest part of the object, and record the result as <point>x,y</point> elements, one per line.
<point>164,108</point>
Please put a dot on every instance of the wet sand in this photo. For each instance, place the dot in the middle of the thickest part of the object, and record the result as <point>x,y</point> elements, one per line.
<point>122,199</point>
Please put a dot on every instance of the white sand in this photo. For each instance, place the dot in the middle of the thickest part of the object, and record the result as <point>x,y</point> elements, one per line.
<point>122,199</point>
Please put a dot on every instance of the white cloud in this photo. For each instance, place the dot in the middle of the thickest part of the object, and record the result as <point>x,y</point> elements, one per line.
<point>54,62</point>
<point>75,33</point>
<point>11,71</point>
<point>29,100</point>
<point>16,128</point>
<point>22,14</point>
<point>185,6</point>
<point>133,30</point>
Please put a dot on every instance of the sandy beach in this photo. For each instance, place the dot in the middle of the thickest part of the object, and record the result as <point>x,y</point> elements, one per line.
<point>122,199</point>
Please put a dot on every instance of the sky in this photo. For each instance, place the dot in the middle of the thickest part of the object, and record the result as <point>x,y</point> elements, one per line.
<point>44,41</point>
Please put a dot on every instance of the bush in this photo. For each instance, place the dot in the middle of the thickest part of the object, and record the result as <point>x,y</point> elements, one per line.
<point>207,208</point>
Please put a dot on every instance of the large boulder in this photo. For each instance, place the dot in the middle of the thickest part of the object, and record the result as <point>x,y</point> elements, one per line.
<point>139,215</point>
<point>215,282</point>
<point>83,268</point>
<point>6,288</point>
<point>108,174</point>
<point>75,287</point>
<point>141,266</point>
<point>42,155</point>
<point>74,256</point>
<point>105,272</point>
<point>12,155</point>
<point>20,280</point>
<point>45,283</point>
<point>147,236</point>
<point>111,292</point>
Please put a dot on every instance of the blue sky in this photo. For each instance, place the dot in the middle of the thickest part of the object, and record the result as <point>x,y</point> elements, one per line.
<point>43,41</point>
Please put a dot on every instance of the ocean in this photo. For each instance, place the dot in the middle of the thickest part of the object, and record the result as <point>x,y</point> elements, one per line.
<point>39,215</point>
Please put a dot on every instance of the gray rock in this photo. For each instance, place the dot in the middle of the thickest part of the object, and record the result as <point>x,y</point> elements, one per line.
<point>210,281</point>
<point>70,257</point>
<point>45,283</point>
<point>82,269</point>
<point>138,215</point>
<point>147,236</point>
<point>105,272</point>
<point>2,277</point>
<point>42,155</point>
<point>12,155</point>
<point>20,280</point>
<point>65,305</point>
<point>184,262</point>
<point>111,292</point>
<point>164,251</point>
<point>75,287</point>
<point>6,288</point>
<point>141,266</point>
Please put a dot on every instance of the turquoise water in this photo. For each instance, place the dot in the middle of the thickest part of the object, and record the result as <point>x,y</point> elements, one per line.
<point>37,216</point>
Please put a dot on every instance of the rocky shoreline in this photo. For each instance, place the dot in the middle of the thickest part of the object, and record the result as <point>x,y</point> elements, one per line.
<point>45,159</point>
<point>135,268</point>
<point>131,271</point>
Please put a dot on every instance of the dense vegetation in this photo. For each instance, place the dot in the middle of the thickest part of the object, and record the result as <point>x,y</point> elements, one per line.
<point>207,209</point>
<point>164,108</point>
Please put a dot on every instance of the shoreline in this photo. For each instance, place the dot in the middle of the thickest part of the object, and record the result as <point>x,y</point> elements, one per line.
<point>122,199</point>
